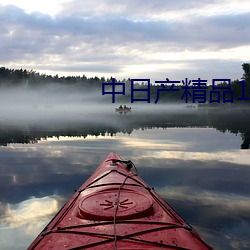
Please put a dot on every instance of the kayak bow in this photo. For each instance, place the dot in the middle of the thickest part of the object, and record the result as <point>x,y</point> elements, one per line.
<point>116,209</point>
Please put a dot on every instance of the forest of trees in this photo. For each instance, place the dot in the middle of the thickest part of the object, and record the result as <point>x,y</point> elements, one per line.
<point>159,93</point>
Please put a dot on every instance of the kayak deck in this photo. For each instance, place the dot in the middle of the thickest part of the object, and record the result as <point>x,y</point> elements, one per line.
<point>116,209</point>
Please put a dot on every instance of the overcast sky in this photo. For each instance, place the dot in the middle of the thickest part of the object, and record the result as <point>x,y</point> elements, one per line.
<point>134,38</point>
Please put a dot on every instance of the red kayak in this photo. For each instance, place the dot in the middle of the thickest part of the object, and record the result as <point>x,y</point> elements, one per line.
<point>116,209</point>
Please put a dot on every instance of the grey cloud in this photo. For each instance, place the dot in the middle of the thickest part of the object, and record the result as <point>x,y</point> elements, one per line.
<point>98,39</point>
<point>223,31</point>
<point>203,32</point>
<point>141,8</point>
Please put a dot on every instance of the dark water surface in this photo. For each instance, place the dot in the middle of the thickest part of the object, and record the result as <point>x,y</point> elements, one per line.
<point>198,161</point>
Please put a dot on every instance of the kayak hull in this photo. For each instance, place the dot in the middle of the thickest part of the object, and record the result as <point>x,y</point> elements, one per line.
<point>116,209</point>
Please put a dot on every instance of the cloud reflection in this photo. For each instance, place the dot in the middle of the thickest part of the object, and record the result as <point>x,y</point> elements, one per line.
<point>22,222</point>
<point>29,211</point>
<point>228,203</point>
<point>234,156</point>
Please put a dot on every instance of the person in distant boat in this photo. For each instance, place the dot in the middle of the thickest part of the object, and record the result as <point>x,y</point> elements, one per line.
<point>120,107</point>
<point>125,106</point>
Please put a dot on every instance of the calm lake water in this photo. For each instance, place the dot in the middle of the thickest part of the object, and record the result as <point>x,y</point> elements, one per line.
<point>198,160</point>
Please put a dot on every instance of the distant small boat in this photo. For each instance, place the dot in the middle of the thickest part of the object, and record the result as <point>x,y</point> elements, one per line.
<point>125,110</point>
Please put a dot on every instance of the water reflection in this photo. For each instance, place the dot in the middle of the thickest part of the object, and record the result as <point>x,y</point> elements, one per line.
<point>200,171</point>
<point>31,210</point>
<point>109,123</point>
<point>21,221</point>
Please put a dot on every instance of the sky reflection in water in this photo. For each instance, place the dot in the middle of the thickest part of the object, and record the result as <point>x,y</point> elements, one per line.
<point>199,171</point>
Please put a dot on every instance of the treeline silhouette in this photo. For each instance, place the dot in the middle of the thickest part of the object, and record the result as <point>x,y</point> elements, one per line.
<point>31,79</point>
<point>159,93</point>
<point>236,122</point>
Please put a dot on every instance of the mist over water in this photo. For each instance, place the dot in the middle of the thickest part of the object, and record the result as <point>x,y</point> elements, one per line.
<point>52,102</point>
<point>61,103</point>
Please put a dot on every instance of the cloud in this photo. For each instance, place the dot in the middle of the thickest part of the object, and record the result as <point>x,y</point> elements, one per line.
<point>115,38</point>
<point>144,10</point>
